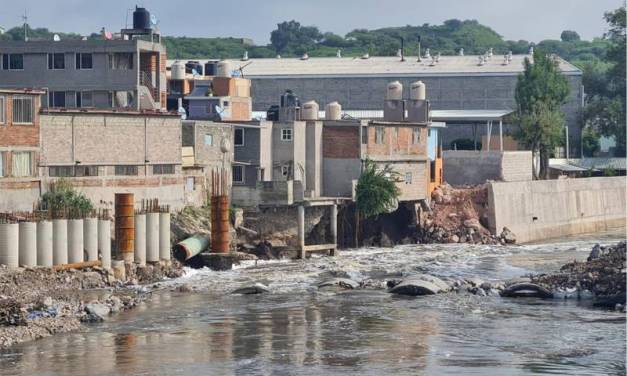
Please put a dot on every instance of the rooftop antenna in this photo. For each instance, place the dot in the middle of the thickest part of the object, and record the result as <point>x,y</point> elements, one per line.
<point>25,20</point>
<point>402,50</point>
<point>241,68</point>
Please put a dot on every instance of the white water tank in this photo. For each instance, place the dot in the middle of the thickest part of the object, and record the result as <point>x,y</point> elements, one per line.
<point>178,70</point>
<point>418,91</point>
<point>333,111</point>
<point>310,111</point>
<point>223,69</point>
<point>394,91</point>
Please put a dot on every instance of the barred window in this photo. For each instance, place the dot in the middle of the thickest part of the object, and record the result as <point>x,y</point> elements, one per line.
<point>286,134</point>
<point>364,135</point>
<point>1,164</point>
<point>61,171</point>
<point>163,169</point>
<point>238,174</point>
<point>379,135</point>
<point>2,109</point>
<point>22,109</point>
<point>408,178</point>
<point>126,170</point>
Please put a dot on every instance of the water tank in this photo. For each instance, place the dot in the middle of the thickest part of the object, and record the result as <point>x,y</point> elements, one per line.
<point>223,69</point>
<point>289,99</point>
<point>191,66</point>
<point>178,70</point>
<point>333,111</point>
<point>141,18</point>
<point>310,111</point>
<point>418,91</point>
<point>394,91</point>
<point>211,68</point>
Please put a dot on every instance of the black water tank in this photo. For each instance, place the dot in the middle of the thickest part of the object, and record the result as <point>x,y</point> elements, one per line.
<point>273,113</point>
<point>211,68</point>
<point>289,99</point>
<point>141,18</point>
<point>193,65</point>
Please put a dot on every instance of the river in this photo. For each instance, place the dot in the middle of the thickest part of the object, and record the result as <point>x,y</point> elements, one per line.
<point>299,330</point>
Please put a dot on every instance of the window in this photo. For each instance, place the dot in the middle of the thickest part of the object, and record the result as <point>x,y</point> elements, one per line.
<point>22,110</point>
<point>408,178</point>
<point>286,171</point>
<point>12,61</point>
<point>126,170</point>
<point>286,134</point>
<point>56,99</point>
<point>209,139</point>
<point>238,174</point>
<point>71,171</point>
<point>1,164</point>
<point>2,109</point>
<point>84,99</point>
<point>189,184</point>
<point>379,135</point>
<point>239,137</point>
<point>22,164</point>
<point>260,174</point>
<point>84,61</point>
<point>86,171</point>
<point>415,136</point>
<point>364,135</point>
<point>110,99</point>
<point>225,104</point>
<point>56,61</point>
<point>163,169</point>
<point>121,60</point>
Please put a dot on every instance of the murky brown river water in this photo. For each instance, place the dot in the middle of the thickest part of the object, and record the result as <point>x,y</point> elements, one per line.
<point>299,330</point>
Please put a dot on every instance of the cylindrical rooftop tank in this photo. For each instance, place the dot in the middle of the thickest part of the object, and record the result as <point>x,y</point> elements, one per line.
<point>333,111</point>
<point>164,236</point>
<point>192,66</point>
<point>178,70</point>
<point>418,91</point>
<point>9,248</point>
<point>59,241</point>
<point>90,237</point>
<point>394,91</point>
<point>75,241</point>
<point>310,111</point>
<point>104,242</point>
<point>223,69</point>
<point>289,99</point>
<point>28,243</point>
<point>152,237</point>
<point>211,68</point>
<point>141,18</point>
<point>140,239</point>
<point>44,243</point>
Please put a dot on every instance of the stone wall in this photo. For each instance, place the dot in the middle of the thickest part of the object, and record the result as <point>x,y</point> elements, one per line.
<point>542,209</point>
<point>476,167</point>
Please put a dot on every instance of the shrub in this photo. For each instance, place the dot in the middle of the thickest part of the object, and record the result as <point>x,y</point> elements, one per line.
<point>63,196</point>
<point>376,191</point>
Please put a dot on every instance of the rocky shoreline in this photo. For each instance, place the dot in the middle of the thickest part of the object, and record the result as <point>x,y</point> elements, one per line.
<point>40,302</point>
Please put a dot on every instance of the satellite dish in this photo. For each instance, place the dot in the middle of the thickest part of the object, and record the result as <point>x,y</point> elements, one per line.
<point>56,38</point>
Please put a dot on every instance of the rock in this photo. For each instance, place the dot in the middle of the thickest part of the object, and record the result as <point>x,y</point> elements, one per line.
<point>595,253</point>
<point>344,283</point>
<point>473,224</point>
<point>257,288</point>
<point>217,261</point>
<point>452,215</point>
<point>185,287</point>
<point>486,286</point>
<point>91,280</point>
<point>392,282</point>
<point>527,290</point>
<point>119,270</point>
<point>98,310</point>
<point>481,292</point>
<point>508,236</point>
<point>454,239</point>
<point>373,284</point>
<point>47,302</point>
<point>115,304</point>
<point>420,284</point>
<point>474,282</point>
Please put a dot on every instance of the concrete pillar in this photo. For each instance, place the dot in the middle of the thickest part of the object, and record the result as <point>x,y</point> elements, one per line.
<point>334,228</point>
<point>501,133</point>
<point>301,231</point>
<point>104,242</point>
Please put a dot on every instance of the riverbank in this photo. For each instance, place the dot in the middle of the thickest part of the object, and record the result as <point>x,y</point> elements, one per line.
<point>40,302</point>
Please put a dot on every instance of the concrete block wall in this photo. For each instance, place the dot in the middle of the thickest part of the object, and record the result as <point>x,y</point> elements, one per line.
<point>543,209</point>
<point>476,167</point>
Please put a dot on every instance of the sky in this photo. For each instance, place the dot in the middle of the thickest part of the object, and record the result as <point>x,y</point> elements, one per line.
<point>531,20</point>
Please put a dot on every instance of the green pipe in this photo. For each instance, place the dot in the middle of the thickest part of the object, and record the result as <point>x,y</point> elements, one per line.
<point>190,247</point>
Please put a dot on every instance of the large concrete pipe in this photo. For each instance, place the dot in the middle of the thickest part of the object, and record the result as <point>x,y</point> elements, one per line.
<point>190,247</point>
<point>125,226</point>
<point>164,236</point>
<point>152,237</point>
<point>59,241</point>
<point>75,241</point>
<point>9,244</point>
<point>104,242</point>
<point>44,243</point>
<point>140,239</point>
<point>28,244</point>
<point>90,237</point>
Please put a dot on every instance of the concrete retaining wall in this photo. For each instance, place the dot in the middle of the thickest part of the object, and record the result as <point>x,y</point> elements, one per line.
<point>536,210</point>
<point>476,167</point>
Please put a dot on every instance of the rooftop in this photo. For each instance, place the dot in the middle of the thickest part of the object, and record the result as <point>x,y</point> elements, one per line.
<point>23,91</point>
<point>104,111</point>
<point>382,66</point>
<point>449,116</point>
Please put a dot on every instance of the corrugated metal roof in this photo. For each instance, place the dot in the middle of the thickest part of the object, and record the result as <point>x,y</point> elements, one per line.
<point>436,115</point>
<point>382,66</point>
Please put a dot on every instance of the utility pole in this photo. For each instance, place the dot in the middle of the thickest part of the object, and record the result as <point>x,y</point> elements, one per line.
<point>25,19</point>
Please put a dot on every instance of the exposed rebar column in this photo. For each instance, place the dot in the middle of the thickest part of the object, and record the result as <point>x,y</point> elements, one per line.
<point>334,228</point>
<point>152,237</point>
<point>104,242</point>
<point>75,241</point>
<point>301,231</point>
<point>9,248</point>
<point>125,226</point>
<point>220,210</point>
<point>27,244</point>
<point>59,241</point>
<point>44,243</point>
<point>140,239</point>
<point>90,237</point>
<point>164,236</point>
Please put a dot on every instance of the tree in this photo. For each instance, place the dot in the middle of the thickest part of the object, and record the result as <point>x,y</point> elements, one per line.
<point>589,142</point>
<point>569,36</point>
<point>291,37</point>
<point>605,108</point>
<point>540,92</point>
